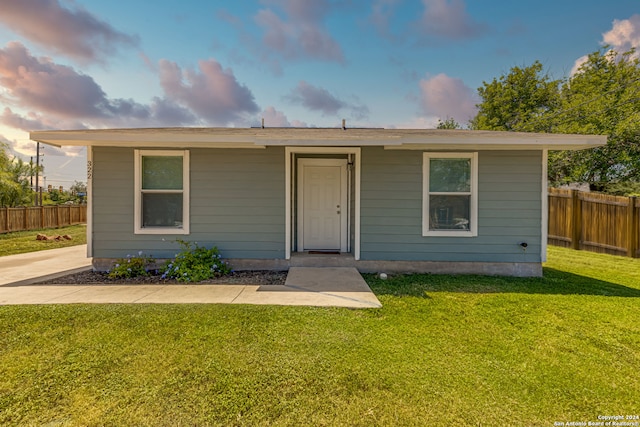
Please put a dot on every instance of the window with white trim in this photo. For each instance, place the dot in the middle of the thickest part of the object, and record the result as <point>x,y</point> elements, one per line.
<point>162,192</point>
<point>450,194</point>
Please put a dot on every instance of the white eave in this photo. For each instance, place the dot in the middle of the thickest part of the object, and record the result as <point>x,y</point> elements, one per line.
<point>391,139</point>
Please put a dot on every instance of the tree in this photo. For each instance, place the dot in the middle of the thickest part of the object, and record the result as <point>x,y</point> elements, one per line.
<point>602,97</point>
<point>15,177</point>
<point>517,101</point>
<point>449,123</point>
<point>78,188</point>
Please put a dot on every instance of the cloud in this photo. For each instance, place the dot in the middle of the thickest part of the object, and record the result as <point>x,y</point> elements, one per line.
<point>447,97</point>
<point>381,13</point>
<point>75,32</point>
<point>211,92</point>
<point>624,34</point>
<point>448,19</point>
<point>275,118</point>
<point>578,63</point>
<point>416,123</point>
<point>319,99</point>
<point>315,99</point>
<point>166,112</point>
<point>46,87</point>
<point>57,96</point>
<point>299,32</point>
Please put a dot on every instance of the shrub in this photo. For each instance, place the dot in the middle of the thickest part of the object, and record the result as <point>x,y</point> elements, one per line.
<point>131,266</point>
<point>623,188</point>
<point>195,263</point>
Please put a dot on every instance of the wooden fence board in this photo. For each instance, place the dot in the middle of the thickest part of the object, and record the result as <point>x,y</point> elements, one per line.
<point>594,222</point>
<point>32,218</point>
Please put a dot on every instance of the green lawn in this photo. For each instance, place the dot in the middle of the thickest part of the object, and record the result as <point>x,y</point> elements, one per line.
<point>443,350</point>
<point>25,241</point>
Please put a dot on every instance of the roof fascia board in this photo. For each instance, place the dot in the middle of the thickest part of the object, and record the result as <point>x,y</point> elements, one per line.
<point>401,139</point>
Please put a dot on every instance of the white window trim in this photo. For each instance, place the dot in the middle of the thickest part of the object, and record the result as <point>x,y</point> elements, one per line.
<point>473,208</point>
<point>137,224</point>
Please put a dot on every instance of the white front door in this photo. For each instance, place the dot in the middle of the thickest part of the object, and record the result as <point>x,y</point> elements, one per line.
<point>322,204</point>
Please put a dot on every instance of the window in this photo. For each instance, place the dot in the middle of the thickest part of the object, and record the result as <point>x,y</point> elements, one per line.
<point>450,194</point>
<point>162,192</point>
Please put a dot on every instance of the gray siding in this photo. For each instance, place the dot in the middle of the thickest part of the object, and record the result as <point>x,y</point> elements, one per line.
<point>509,211</point>
<point>237,204</point>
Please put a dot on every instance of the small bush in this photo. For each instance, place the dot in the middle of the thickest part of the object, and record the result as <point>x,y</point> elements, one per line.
<point>131,266</point>
<point>623,188</point>
<point>195,263</point>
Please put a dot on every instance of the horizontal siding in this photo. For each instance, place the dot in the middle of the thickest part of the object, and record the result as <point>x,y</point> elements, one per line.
<point>237,204</point>
<point>509,202</point>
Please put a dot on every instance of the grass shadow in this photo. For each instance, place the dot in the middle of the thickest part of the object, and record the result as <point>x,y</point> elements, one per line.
<point>553,282</point>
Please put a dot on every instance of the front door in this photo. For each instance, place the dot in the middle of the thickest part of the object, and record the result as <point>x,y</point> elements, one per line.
<point>322,204</point>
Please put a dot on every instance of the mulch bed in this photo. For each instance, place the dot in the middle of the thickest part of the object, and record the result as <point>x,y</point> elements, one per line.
<point>239,277</point>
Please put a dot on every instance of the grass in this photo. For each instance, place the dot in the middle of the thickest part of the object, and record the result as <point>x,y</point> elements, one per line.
<point>443,350</point>
<point>20,242</point>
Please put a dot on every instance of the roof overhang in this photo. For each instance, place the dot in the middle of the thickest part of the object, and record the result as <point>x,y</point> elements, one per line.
<point>391,139</point>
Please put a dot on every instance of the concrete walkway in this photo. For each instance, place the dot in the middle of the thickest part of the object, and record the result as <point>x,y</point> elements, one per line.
<point>43,265</point>
<point>325,287</point>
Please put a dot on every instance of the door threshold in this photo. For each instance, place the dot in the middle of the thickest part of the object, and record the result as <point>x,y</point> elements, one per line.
<point>316,252</point>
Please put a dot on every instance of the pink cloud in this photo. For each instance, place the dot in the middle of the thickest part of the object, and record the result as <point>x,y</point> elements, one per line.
<point>73,32</point>
<point>298,31</point>
<point>447,97</point>
<point>275,118</point>
<point>47,87</point>
<point>57,96</point>
<point>448,19</point>
<point>624,34</point>
<point>211,92</point>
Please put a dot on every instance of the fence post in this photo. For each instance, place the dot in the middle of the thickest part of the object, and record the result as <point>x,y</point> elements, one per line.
<point>6,219</point>
<point>576,219</point>
<point>632,228</point>
<point>41,216</point>
<point>25,218</point>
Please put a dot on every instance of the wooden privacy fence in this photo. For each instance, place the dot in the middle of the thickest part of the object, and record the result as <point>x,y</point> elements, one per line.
<point>594,222</point>
<point>32,218</point>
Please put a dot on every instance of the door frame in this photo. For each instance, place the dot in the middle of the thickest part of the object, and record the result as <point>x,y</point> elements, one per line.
<point>344,188</point>
<point>290,153</point>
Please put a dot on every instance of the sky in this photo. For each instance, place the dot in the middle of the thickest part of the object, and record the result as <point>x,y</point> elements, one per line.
<point>76,64</point>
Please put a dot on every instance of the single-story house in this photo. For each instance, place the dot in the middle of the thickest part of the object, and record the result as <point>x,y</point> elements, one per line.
<point>453,201</point>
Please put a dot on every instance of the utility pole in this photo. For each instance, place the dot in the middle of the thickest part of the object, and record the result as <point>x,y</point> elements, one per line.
<point>37,172</point>
<point>31,174</point>
<point>38,189</point>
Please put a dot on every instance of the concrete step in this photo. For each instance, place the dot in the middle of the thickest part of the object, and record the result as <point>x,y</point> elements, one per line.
<point>338,283</point>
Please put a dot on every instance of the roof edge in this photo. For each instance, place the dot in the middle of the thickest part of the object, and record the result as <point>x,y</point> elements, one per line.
<point>407,139</point>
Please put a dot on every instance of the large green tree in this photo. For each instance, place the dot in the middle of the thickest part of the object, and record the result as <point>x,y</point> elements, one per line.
<point>15,175</point>
<point>601,97</point>
<point>517,101</point>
